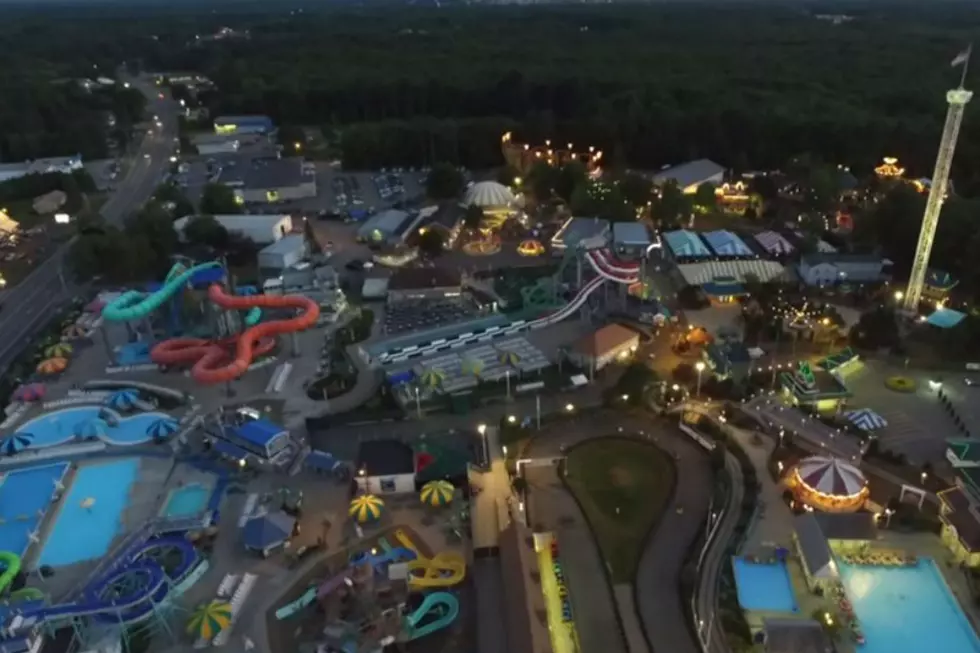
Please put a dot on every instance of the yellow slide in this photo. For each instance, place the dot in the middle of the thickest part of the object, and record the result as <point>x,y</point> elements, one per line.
<point>444,570</point>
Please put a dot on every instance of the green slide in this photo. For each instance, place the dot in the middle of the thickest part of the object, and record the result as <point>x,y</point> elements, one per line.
<point>27,594</point>
<point>134,305</point>
<point>11,563</point>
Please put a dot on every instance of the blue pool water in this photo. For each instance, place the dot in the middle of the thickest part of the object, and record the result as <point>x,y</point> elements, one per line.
<point>186,501</point>
<point>58,427</point>
<point>764,587</point>
<point>24,497</point>
<point>907,610</point>
<point>83,533</point>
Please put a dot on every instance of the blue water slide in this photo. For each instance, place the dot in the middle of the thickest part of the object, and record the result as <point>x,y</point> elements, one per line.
<point>135,305</point>
<point>438,611</point>
<point>253,317</point>
<point>397,554</point>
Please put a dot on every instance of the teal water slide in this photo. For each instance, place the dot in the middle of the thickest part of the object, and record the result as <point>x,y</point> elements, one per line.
<point>135,305</point>
<point>438,611</point>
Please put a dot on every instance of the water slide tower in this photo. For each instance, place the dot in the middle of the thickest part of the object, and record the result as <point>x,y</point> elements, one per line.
<point>957,100</point>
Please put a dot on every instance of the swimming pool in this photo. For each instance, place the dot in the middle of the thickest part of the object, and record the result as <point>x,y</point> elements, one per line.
<point>187,501</point>
<point>90,514</point>
<point>907,610</point>
<point>24,497</point>
<point>764,587</point>
<point>59,427</point>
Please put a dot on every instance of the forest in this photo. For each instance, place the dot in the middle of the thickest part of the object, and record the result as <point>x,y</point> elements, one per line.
<point>748,85</point>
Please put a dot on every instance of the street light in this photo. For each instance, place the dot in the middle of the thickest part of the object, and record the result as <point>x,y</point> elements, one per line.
<point>899,295</point>
<point>699,366</point>
<point>482,430</point>
<point>569,407</point>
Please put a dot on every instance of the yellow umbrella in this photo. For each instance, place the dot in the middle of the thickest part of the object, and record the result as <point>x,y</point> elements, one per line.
<point>59,350</point>
<point>365,508</point>
<point>52,366</point>
<point>437,493</point>
<point>432,378</point>
<point>209,619</point>
<point>509,358</point>
<point>471,366</point>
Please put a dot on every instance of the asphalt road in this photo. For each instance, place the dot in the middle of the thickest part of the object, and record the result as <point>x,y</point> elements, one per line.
<point>26,307</point>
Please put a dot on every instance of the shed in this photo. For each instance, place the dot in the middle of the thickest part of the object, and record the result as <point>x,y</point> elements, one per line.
<point>815,554</point>
<point>266,533</point>
<point>385,467</point>
<point>375,288</point>
<point>262,436</point>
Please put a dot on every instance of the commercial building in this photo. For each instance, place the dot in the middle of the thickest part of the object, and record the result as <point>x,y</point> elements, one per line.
<point>271,180</point>
<point>689,176</point>
<point>260,229</point>
<point>387,227</point>
<point>243,125</point>
<point>631,238</point>
<point>385,467</point>
<point>424,283</point>
<point>284,253</point>
<point>209,144</point>
<point>960,505</point>
<point>610,343</point>
<point>830,268</point>
<point>258,438</point>
<point>63,164</point>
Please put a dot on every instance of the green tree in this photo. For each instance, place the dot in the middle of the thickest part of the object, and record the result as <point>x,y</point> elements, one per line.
<point>672,205</point>
<point>704,197</point>
<point>472,217</point>
<point>445,182</point>
<point>571,176</point>
<point>636,189</point>
<point>431,243</point>
<point>292,138</point>
<point>507,175</point>
<point>205,230</point>
<point>218,199</point>
<point>541,180</point>
<point>152,229</point>
<point>171,194</point>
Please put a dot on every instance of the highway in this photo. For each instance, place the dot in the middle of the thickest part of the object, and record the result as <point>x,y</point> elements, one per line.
<point>27,306</point>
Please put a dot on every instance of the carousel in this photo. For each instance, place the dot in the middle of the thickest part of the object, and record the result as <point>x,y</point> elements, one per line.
<point>828,484</point>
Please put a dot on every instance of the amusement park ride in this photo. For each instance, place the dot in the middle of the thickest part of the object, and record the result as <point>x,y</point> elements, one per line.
<point>233,341</point>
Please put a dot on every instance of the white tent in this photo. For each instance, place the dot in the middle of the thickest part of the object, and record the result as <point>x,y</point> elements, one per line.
<point>488,194</point>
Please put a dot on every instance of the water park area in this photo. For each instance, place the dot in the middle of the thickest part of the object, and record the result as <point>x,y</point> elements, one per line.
<point>764,586</point>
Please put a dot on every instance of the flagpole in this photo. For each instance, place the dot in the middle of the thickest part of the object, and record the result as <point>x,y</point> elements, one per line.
<point>966,65</point>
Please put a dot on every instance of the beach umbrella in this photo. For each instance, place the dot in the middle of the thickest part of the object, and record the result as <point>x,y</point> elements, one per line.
<point>365,508</point>
<point>209,619</point>
<point>59,350</point>
<point>52,366</point>
<point>30,392</point>
<point>508,358</point>
<point>16,443</point>
<point>432,378</point>
<point>73,331</point>
<point>437,493</point>
<point>91,428</point>
<point>471,366</point>
<point>123,399</point>
<point>161,428</point>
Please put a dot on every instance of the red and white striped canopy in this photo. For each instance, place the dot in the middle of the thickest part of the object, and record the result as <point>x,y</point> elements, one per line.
<point>831,476</point>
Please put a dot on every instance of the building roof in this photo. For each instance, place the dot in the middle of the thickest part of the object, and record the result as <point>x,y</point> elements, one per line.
<point>832,362</point>
<point>630,233</point>
<point>796,636</point>
<point>260,228</point>
<point>374,287</point>
<point>724,356</point>
<point>385,458</point>
<point>839,258</point>
<point>726,243</point>
<point>575,230</point>
<point>965,451</point>
<point>215,139</point>
<point>847,526</point>
<point>701,273</point>
<point>962,516</point>
<point>945,318</point>
<point>252,120</point>
<point>691,173</point>
<point>285,244</point>
<point>724,287</point>
<point>267,531</point>
<point>607,339</point>
<point>774,243</point>
<point>261,173</point>
<point>488,194</point>
<point>684,243</point>
<point>423,278</point>
<point>259,432</point>
<point>387,223</point>
<point>813,546</point>
<point>446,215</point>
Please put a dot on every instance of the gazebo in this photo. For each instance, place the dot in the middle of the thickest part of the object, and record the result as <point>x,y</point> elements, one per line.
<point>828,484</point>
<point>490,196</point>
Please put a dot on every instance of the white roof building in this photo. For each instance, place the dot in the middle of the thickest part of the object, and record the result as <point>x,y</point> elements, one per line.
<point>488,194</point>
<point>261,229</point>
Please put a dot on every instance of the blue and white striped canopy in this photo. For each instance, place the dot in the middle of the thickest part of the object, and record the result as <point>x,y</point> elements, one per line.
<point>866,419</point>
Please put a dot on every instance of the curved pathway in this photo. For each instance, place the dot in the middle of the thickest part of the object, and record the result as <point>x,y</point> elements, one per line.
<point>658,601</point>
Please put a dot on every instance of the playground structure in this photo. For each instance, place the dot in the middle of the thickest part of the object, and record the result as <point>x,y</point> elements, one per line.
<point>370,603</point>
<point>231,343</point>
<point>134,586</point>
<point>594,255</point>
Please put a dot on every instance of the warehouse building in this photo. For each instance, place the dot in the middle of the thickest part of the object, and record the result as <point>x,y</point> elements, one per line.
<point>260,229</point>
<point>62,164</point>
<point>243,125</point>
<point>284,253</point>
<point>688,176</point>
<point>210,144</point>
<point>271,180</point>
<point>424,283</point>
<point>387,227</point>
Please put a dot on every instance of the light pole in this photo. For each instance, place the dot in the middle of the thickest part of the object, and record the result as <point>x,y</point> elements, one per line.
<point>482,430</point>
<point>699,366</point>
<point>418,404</point>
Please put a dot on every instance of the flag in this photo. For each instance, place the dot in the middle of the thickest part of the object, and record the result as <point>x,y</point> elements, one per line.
<point>962,57</point>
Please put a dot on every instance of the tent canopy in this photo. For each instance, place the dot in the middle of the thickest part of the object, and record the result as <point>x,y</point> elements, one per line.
<point>866,419</point>
<point>267,531</point>
<point>831,476</point>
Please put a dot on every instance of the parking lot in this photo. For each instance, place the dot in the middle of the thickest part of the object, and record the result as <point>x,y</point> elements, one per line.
<point>367,191</point>
<point>405,317</point>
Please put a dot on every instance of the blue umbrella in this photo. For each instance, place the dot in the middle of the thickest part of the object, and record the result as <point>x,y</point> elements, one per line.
<point>91,428</point>
<point>162,427</point>
<point>123,399</point>
<point>16,443</point>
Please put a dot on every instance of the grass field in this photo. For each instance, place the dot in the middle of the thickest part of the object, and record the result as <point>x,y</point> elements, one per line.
<point>623,486</point>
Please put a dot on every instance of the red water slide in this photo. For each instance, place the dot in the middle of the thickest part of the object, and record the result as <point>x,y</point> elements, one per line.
<point>212,361</point>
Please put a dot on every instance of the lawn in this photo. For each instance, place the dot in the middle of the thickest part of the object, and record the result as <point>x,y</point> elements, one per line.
<point>623,486</point>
